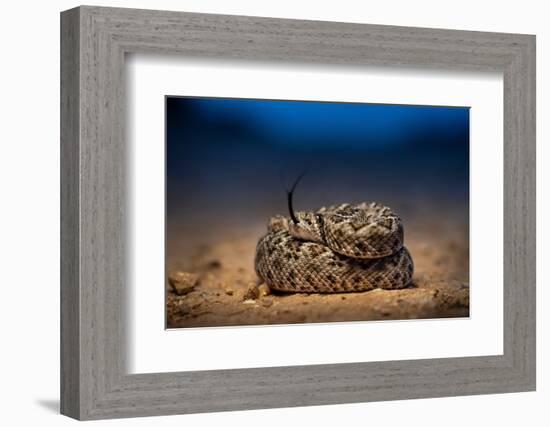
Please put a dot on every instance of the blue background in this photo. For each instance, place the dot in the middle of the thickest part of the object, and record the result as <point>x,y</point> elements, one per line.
<point>239,155</point>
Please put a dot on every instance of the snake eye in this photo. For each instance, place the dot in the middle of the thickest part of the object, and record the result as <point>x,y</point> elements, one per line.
<point>319,219</point>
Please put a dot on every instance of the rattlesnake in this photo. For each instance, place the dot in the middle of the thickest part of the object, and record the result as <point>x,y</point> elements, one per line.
<point>344,248</point>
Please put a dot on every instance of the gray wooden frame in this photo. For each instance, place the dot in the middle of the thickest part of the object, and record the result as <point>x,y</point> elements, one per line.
<point>94,41</point>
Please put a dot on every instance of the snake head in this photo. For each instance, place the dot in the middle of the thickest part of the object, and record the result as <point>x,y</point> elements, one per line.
<point>308,227</point>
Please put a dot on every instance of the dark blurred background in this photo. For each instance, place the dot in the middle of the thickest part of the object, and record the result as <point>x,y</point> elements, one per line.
<point>230,160</point>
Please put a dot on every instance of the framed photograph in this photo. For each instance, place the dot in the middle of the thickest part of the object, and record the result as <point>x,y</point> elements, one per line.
<point>263,213</point>
<point>225,159</point>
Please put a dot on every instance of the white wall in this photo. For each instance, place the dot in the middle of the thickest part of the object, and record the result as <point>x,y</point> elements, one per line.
<point>29,229</point>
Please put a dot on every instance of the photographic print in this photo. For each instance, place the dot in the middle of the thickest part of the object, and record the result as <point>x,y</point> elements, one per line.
<point>289,211</point>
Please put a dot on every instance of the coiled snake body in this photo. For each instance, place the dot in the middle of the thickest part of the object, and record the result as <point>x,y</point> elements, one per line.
<point>345,248</point>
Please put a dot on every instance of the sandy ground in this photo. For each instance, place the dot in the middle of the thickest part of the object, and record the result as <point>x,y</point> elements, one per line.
<point>225,292</point>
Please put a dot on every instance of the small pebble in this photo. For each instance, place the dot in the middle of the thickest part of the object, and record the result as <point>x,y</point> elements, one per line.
<point>252,292</point>
<point>264,290</point>
<point>182,282</point>
<point>228,291</point>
